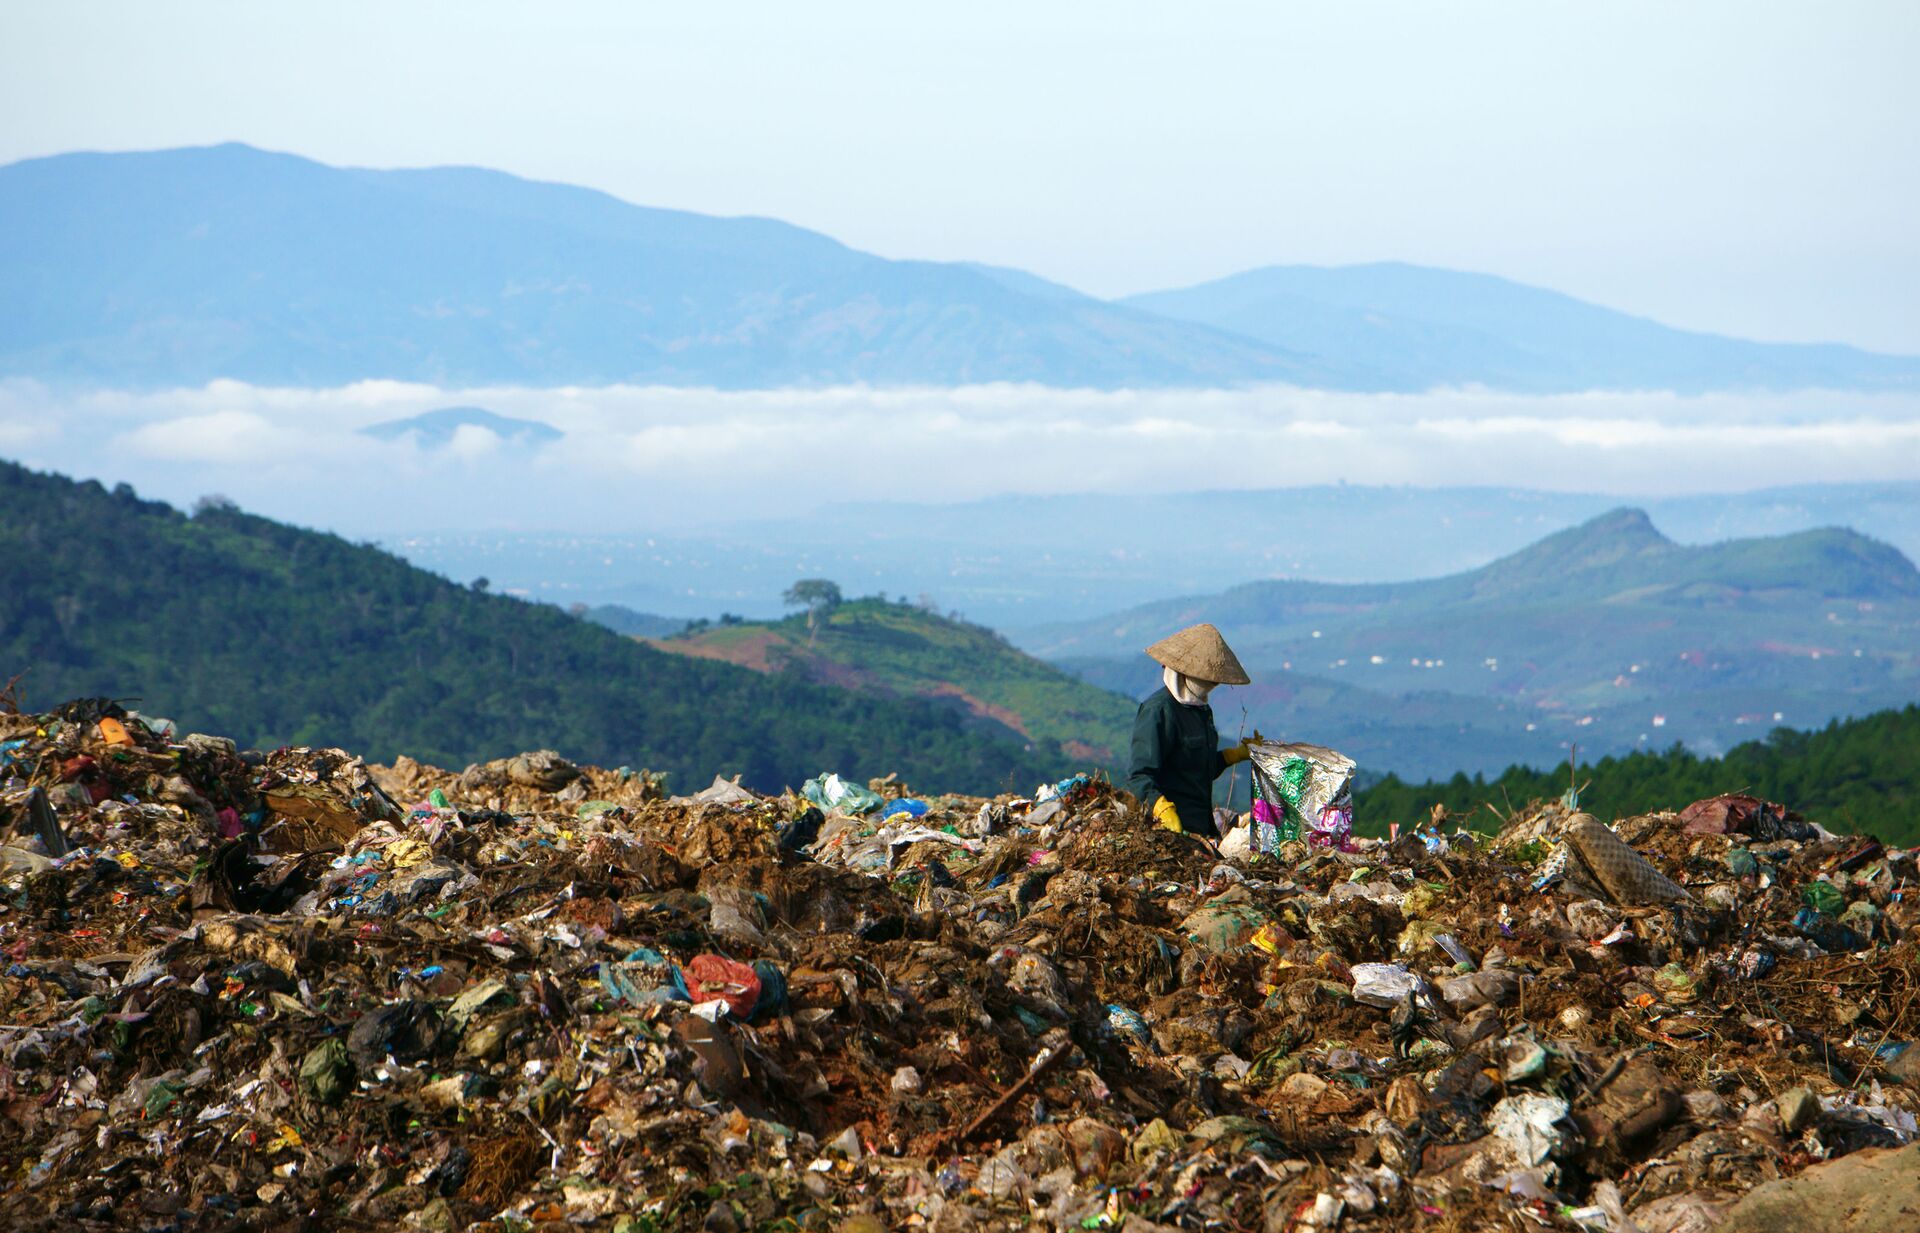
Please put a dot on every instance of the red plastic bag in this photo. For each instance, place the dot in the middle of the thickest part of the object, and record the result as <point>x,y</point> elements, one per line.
<point>714,976</point>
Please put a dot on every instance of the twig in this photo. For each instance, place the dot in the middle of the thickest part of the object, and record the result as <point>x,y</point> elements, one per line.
<point>1014,1093</point>
<point>559,1153</point>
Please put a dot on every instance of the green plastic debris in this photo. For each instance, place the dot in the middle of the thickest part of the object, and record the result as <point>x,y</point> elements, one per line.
<point>593,809</point>
<point>1825,898</point>
<point>438,799</point>
<point>470,1002</point>
<point>1274,1064</point>
<point>829,791</point>
<point>1675,984</point>
<point>327,1072</point>
<point>160,1097</point>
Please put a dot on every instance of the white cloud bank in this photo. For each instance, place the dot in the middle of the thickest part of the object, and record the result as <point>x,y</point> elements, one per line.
<point>637,458</point>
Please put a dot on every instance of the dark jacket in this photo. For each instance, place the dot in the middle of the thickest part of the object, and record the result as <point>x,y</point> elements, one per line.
<point>1176,754</point>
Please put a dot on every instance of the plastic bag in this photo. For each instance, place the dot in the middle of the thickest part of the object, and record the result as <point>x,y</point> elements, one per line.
<point>1534,1128</point>
<point>711,977</point>
<point>829,791</point>
<point>1220,927</point>
<point>1824,897</point>
<point>1333,828</point>
<point>1130,1026</point>
<point>1301,792</point>
<point>327,1072</point>
<point>1383,984</point>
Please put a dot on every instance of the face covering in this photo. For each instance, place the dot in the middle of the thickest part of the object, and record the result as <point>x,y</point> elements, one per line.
<point>1185,689</point>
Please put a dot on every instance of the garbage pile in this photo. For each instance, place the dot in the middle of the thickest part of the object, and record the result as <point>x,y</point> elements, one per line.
<point>293,990</point>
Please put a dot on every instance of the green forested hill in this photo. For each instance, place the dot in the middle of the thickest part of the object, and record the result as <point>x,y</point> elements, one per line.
<point>230,623</point>
<point>1853,775</point>
<point>882,647</point>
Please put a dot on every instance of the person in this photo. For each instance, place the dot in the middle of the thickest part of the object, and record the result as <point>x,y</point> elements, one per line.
<point>1176,752</point>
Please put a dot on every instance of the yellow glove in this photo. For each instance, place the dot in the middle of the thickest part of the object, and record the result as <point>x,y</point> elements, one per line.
<point>1165,816</point>
<point>1240,753</point>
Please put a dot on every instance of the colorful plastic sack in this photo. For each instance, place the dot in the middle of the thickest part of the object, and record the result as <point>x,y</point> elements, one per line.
<point>1333,828</point>
<point>1301,792</point>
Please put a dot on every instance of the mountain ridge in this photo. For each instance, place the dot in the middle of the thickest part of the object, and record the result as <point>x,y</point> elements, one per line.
<point>183,266</point>
<point>178,267</point>
<point>1412,324</point>
<point>1607,544</point>
<point>436,429</point>
<point>1600,634</point>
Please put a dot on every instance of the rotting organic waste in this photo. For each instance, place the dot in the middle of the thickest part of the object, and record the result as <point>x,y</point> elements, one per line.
<point>291,990</point>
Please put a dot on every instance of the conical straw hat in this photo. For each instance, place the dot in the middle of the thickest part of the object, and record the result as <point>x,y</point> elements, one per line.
<point>1200,652</point>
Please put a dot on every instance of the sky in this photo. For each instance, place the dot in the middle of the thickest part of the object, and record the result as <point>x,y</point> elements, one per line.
<point>1742,168</point>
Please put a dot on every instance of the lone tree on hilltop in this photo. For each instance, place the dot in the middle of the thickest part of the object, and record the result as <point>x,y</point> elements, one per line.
<point>816,595</point>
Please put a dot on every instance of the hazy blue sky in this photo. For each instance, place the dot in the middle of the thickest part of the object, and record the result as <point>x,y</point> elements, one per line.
<point>1751,168</point>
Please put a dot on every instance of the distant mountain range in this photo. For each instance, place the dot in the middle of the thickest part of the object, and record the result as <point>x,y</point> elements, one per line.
<point>1608,635</point>
<point>624,620</point>
<point>1016,562</point>
<point>181,266</point>
<point>437,429</point>
<point>1412,327</point>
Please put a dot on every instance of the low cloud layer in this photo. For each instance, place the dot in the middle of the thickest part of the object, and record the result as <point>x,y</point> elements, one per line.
<point>636,459</point>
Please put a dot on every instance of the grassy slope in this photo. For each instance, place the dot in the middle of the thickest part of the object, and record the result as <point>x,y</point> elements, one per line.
<point>873,645</point>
